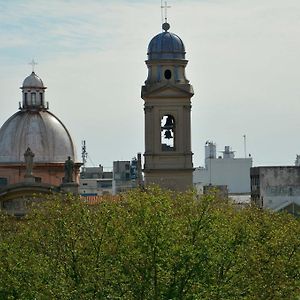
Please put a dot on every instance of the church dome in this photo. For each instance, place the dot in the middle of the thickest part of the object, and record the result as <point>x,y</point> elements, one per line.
<point>166,45</point>
<point>33,81</point>
<point>40,130</point>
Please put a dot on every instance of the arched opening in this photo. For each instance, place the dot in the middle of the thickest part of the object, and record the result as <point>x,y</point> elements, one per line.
<point>167,133</point>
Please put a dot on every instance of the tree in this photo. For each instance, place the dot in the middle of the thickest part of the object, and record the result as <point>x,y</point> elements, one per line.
<point>150,244</point>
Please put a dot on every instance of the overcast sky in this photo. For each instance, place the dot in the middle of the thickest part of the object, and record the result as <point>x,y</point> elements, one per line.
<point>244,65</point>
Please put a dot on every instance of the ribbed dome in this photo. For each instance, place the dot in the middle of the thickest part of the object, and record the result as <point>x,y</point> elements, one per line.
<point>33,81</point>
<point>44,133</point>
<point>166,45</point>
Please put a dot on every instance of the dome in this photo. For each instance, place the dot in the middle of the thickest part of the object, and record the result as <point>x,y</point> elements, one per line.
<point>33,81</point>
<point>166,45</point>
<point>44,133</point>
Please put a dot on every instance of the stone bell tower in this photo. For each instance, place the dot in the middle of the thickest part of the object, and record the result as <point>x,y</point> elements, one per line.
<point>167,95</point>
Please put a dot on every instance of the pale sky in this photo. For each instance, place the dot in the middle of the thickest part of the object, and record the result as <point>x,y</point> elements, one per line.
<point>244,65</point>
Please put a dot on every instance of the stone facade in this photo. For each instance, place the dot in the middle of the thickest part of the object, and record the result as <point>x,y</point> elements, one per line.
<point>276,188</point>
<point>167,97</point>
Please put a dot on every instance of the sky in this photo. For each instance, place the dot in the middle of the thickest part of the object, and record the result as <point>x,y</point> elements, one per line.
<point>244,65</point>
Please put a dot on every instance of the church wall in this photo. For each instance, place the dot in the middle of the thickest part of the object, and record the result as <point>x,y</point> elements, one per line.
<point>46,174</point>
<point>174,180</point>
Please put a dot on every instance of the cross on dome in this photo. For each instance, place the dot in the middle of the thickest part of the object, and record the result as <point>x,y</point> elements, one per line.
<point>164,7</point>
<point>33,63</point>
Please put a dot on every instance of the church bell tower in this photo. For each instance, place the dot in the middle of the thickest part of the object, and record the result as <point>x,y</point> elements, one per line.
<point>167,95</point>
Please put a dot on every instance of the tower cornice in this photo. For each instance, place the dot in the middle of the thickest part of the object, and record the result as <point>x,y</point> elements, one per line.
<point>181,90</point>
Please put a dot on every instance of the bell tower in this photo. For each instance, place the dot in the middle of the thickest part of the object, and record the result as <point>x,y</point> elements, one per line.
<point>167,106</point>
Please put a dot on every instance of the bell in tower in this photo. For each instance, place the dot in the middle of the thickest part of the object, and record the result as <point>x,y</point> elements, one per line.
<point>167,105</point>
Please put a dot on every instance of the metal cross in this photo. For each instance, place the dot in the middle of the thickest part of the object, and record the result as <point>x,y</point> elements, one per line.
<point>33,63</point>
<point>164,7</point>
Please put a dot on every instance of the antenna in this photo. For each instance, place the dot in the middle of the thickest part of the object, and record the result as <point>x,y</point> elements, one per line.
<point>245,148</point>
<point>83,153</point>
<point>33,63</point>
<point>164,7</point>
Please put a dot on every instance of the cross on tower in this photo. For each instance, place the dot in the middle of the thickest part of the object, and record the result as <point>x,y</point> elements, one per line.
<point>164,7</point>
<point>33,63</point>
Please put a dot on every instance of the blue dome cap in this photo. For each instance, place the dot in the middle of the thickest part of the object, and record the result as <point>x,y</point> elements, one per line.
<point>166,45</point>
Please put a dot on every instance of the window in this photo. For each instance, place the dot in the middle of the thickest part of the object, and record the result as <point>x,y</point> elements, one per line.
<point>168,133</point>
<point>3,181</point>
<point>33,99</point>
<point>105,184</point>
<point>168,74</point>
<point>25,98</point>
<point>38,179</point>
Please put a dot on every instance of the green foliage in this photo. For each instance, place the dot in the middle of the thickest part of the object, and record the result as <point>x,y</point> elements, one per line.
<point>151,244</point>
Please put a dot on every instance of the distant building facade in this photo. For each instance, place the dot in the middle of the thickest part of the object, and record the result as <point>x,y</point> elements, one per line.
<point>126,175</point>
<point>94,181</point>
<point>276,188</point>
<point>224,170</point>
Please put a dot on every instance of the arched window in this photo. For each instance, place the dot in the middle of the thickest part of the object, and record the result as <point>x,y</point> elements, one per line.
<point>168,133</point>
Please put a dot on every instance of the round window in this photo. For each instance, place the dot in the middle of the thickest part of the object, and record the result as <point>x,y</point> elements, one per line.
<point>168,74</point>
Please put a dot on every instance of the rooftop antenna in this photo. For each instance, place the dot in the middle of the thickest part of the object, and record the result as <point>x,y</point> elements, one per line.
<point>245,148</point>
<point>164,19</point>
<point>33,63</point>
<point>83,153</point>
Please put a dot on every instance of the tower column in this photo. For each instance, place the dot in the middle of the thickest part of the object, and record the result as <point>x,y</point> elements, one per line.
<point>167,98</point>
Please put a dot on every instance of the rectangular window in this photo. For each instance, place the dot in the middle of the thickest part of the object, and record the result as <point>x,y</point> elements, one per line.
<point>3,181</point>
<point>33,99</point>
<point>38,179</point>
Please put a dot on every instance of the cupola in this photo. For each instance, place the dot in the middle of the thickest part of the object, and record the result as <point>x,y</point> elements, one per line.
<point>166,59</point>
<point>166,45</point>
<point>33,90</point>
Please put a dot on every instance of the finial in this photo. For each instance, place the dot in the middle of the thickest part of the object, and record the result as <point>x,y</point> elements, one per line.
<point>164,7</point>
<point>33,63</point>
<point>166,26</point>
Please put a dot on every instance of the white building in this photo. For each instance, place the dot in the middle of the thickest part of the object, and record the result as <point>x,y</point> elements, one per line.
<point>95,182</point>
<point>225,170</point>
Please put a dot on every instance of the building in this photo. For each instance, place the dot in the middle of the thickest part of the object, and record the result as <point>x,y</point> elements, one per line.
<point>276,188</point>
<point>167,107</point>
<point>225,170</point>
<point>37,153</point>
<point>126,175</point>
<point>94,181</point>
